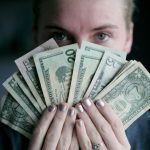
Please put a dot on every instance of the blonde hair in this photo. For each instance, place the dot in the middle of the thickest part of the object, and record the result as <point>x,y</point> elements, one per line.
<point>129,10</point>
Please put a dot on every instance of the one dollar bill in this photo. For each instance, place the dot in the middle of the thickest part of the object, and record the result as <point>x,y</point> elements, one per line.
<point>129,94</point>
<point>108,68</point>
<point>22,84</point>
<point>85,66</point>
<point>86,63</point>
<point>13,115</point>
<point>13,88</point>
<point>27,68</point>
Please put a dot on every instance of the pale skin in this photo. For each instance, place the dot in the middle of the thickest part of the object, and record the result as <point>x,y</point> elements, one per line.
<point>71,21</point>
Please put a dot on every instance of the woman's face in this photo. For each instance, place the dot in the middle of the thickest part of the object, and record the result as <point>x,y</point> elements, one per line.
<point>97,21</point>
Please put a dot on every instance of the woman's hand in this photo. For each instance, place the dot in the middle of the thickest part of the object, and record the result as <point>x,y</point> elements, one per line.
<point>99,128</point>
<point>55,129</point>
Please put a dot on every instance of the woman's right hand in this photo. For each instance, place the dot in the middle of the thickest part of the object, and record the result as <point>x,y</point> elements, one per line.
<point>55,129</point>
<point>99,128</point>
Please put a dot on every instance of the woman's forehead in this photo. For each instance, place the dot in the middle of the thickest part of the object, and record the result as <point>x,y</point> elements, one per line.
<point>75,5</point>
<point>82,11</point>
<point>80,8</point>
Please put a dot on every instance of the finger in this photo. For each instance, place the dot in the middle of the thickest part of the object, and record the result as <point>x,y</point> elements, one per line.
<point>74,143</point>
<point>90,127</point>
<point>66,135</point>
<point>116,124</point>
<point>84,141</point>
<point>103,127</point>
<point>54,131</point>
<point>41,129</point>
<point>92,132</point>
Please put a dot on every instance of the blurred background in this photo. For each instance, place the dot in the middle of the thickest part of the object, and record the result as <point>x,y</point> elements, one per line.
<point>16,34</point>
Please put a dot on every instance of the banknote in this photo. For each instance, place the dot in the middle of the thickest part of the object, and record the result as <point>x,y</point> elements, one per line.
<point>22,84</point>
<point>85,66</point>
<point>107,69</point>
<point>95,48</point>
<point>55,70</point>
<point>126,67</point>
<point>129,95</point>
<point>81,79</point>
<point>27,68</point>
<point>13,115</point>
<point>13,88</point>
<point>50,75</point>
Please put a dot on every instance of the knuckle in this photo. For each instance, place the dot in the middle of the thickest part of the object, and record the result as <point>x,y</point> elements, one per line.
<point>87,145</point>
<point>117,124</point>
<point>38,131</point>
<point>105,129</point>
<point>93,134</point>
<point>70,125</point>
<point>50,135</point>
<point>70,119</point>
<point>63,143</point>
<point>59,117</point>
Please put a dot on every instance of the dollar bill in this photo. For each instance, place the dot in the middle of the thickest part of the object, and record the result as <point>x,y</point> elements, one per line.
<point>22,84</point>
<point>85,66</point>
<point>95,48</point>
<point>129,95</point>
<point>27,68</point>
<point>126,67</point>
<point>55,70</point>
<point>80,81</point>
<point>13,115</point>
<point>107,69</point>
<point>13,88</point>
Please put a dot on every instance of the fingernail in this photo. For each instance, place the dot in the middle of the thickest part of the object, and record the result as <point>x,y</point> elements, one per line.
<point>71,112</point>
<point>100,103</point>
<point>62,107</point>
<point>80,123</point>
<point>87,102</point>
<point>79,108</point>
<point>51,108</point>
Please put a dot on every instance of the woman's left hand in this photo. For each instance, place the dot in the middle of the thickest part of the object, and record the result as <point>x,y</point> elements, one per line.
<point>99,127</point>
<point>55,129</point>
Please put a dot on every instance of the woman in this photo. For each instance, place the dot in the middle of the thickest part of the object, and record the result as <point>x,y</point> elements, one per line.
<point>104,22</point>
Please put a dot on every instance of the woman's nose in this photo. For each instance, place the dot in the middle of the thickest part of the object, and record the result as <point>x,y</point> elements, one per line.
<point>80,39</point>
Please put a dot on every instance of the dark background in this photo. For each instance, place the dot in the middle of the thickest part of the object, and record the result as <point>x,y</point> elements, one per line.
<point>16,34</point>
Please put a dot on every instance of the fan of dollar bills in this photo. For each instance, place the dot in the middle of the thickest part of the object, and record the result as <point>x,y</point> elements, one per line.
<point>50,75</point>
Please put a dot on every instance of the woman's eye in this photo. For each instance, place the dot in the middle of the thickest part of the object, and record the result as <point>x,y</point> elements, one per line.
<point>102,36</point>
<point>59,37</point>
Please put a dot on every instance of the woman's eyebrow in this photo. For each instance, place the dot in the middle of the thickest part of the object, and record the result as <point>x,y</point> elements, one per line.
<point>55,27</point>
<point>111,26</point>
